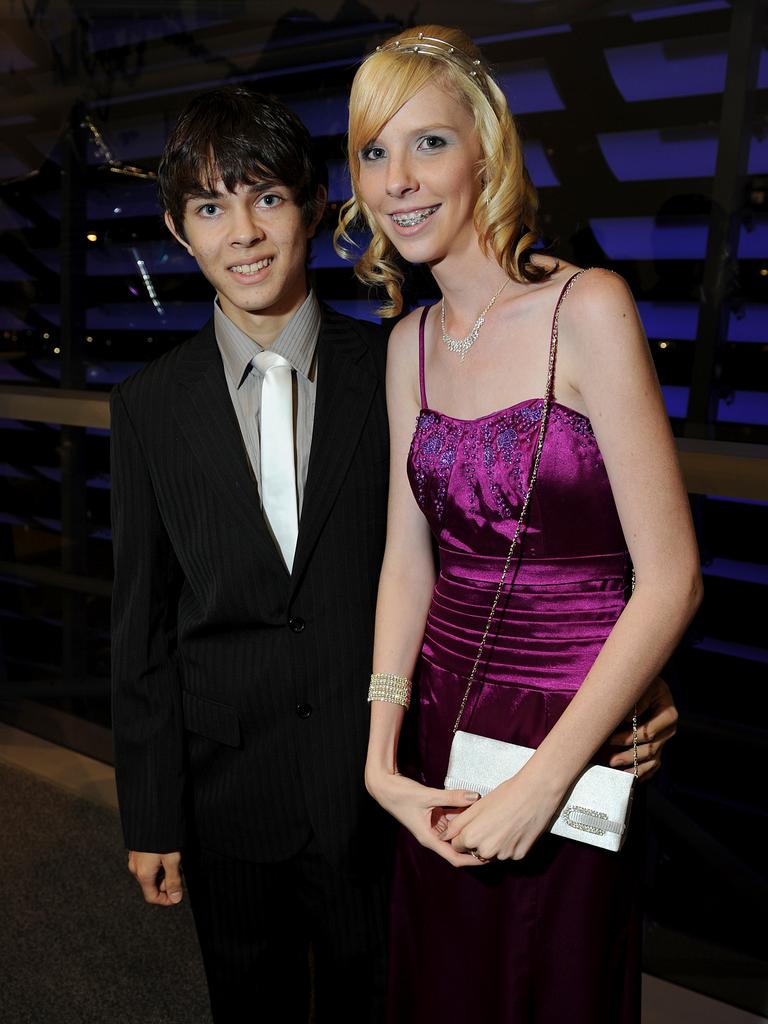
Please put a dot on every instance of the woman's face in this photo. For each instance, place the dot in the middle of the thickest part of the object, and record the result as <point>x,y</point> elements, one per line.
<point>419,177</point>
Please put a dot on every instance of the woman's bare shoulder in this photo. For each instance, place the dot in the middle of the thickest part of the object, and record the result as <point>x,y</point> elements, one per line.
<point>406,330</point>
<point>404,339</point>
<point>601,290</point>
<point>599,303</point>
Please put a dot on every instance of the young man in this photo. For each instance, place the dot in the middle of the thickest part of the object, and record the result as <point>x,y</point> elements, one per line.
<point>248,518</point>
<point>250,470</point>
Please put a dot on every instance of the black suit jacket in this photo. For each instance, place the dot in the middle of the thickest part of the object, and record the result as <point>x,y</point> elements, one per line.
<point>239,691</point>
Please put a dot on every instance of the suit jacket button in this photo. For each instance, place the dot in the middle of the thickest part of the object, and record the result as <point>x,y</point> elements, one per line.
<point>304,710</point>
<point>296,624</point>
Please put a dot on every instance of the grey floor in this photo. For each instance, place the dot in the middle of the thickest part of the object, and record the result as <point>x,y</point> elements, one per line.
<point>77,943</point>
<point>79,946</point>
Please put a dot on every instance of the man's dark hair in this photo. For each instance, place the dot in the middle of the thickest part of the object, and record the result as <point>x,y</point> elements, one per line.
<point>241,138</point>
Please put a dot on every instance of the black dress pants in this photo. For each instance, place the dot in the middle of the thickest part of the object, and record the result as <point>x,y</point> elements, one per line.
<point>260,926</point>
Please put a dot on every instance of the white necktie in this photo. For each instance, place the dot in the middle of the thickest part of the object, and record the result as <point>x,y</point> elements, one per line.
<point>278,472</point>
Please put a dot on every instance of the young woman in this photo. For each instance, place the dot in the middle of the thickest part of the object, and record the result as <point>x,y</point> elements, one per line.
<point>539,929</point>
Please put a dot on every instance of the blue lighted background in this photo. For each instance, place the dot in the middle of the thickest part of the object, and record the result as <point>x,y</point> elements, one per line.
<point>619,108</point>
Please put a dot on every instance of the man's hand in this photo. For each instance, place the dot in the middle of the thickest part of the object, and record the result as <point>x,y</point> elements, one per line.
<point>657,723</point>
<point>159,875</point>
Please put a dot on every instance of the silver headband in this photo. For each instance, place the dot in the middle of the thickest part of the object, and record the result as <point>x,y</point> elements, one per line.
<point>432,46</point>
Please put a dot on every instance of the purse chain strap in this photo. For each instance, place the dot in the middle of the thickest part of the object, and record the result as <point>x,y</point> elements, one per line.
<point>523,514</point>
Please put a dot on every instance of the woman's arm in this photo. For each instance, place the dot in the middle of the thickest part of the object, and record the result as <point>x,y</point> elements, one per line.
<point>405,590</point>
<point>407,573</point>
<point>613,371</point>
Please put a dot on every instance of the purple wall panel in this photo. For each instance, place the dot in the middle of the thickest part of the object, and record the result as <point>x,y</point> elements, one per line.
<point>643,238</point>
<point>661,70</point>
<point>530,90</point>
<point>138,316</point>
<point>654,155</point>
<point>701,7</point>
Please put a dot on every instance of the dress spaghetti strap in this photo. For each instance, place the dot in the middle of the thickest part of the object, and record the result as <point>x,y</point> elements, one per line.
<point>422,386</point>
<point>555,328</point>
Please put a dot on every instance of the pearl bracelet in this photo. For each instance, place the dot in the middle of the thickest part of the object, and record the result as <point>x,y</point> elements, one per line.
<point>389,687</point>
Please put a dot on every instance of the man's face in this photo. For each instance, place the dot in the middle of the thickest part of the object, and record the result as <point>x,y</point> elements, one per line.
<point>251,244</point>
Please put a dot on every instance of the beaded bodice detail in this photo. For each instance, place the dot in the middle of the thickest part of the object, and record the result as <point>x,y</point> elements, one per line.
<point>470,477</point>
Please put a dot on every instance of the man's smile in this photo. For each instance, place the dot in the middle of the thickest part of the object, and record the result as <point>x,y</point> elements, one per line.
<point>252,268</point>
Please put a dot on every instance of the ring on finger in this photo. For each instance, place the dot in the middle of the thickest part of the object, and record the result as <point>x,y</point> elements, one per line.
<point>476,855</point>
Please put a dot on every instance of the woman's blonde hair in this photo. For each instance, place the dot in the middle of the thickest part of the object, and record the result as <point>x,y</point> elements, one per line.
<point>505,213</point>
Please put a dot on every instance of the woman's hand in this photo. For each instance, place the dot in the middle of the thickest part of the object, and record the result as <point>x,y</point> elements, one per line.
<point>422,811</point>
<point>505,824</point>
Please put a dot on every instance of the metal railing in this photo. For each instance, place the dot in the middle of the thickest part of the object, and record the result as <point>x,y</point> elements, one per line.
<point>719,468</point>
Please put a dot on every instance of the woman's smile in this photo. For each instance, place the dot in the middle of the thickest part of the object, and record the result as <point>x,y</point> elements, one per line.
<point>413,218</point>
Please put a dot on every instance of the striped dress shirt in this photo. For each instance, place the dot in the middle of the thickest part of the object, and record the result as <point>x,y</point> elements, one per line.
<point>297,342</point>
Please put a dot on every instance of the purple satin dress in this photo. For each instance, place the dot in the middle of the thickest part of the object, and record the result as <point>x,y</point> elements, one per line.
<point>553,938</point>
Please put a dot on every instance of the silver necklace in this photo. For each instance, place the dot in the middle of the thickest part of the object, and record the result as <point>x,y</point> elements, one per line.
<point>462,345</point>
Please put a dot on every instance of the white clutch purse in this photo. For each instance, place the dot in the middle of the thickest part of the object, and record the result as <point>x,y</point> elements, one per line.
<point>596,810</point>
